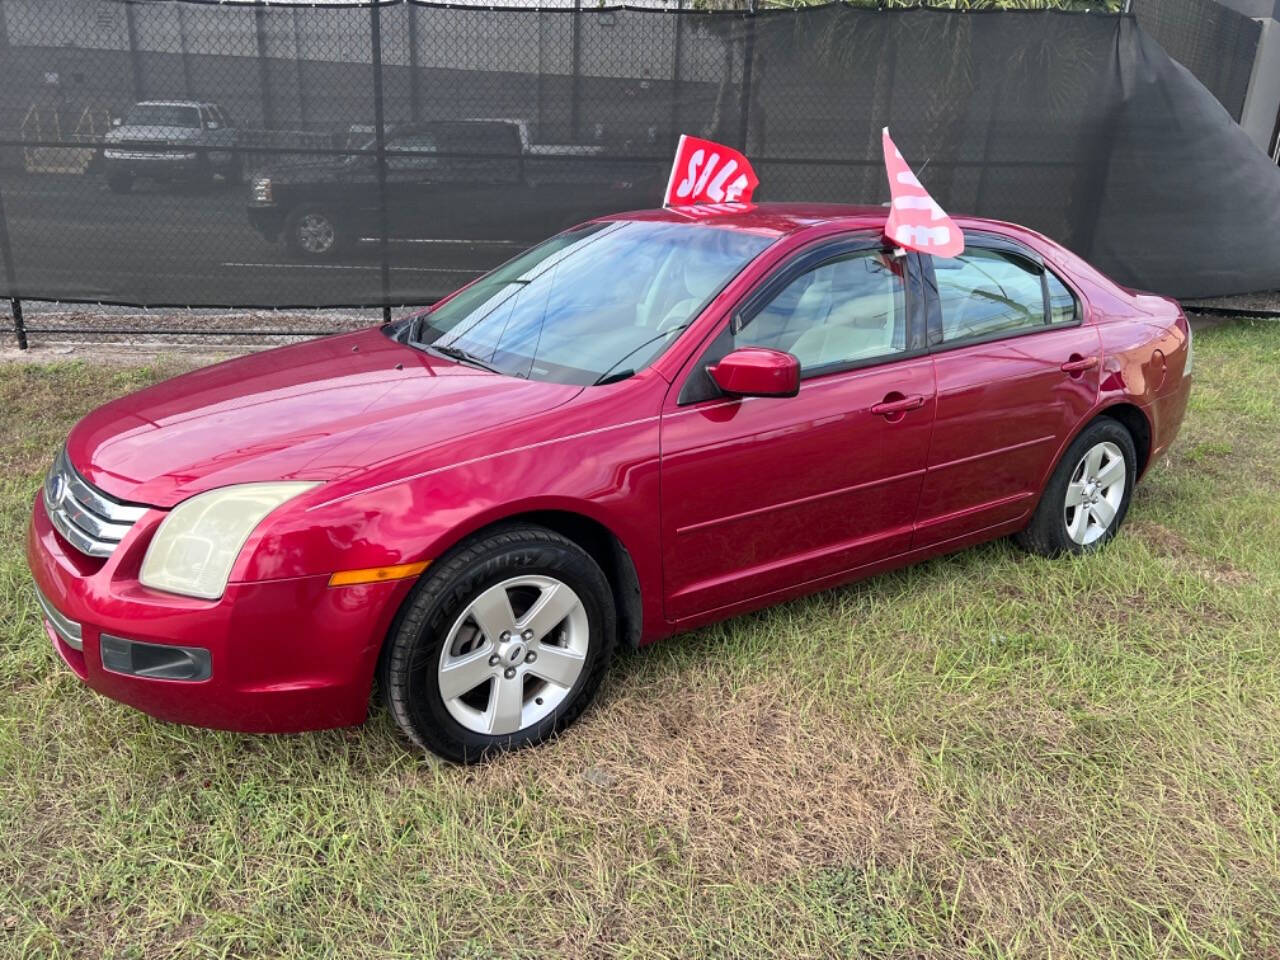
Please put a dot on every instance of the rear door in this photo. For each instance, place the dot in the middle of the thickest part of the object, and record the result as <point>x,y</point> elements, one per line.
<point>457,180</point>
<point>761,495</point>
<point>1017,369</point>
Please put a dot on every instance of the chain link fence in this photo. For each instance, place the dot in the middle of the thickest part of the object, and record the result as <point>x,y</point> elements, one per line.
<point>188,153</point>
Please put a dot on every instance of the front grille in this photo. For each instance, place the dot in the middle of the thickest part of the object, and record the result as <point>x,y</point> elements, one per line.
<point>87,518</point>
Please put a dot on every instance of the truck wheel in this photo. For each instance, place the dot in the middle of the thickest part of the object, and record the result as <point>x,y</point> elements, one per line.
<point>314,232</point>
<point>120,182</point>
<point>234,174</point>
<point>202,178</point>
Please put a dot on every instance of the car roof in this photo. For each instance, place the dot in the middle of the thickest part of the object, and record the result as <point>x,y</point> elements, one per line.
<point>175,103</point>
<point>779,219</point>
<point>773,219</point>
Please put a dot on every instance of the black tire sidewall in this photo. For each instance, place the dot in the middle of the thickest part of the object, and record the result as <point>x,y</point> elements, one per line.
<point>410,663</point>
<point>1050,520</point>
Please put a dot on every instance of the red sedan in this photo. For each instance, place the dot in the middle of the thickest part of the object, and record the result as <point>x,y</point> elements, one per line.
<point>644,424</point>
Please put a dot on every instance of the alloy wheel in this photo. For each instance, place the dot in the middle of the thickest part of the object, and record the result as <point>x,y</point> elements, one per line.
<point>1095,492</point>
<point>513,655</point>
<point>316,233</point>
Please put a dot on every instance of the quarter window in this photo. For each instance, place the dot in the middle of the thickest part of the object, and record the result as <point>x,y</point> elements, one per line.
<point>843,311</point>
<point>1062,302</point>
<point>988,292</point>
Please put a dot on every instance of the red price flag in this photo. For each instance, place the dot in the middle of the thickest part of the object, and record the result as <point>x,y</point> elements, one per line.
<point>915,219</point>
<point>707,172</point>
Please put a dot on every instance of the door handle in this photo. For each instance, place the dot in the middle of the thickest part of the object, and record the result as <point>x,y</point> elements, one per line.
<point>1079,364</point>
<point>887,407</point>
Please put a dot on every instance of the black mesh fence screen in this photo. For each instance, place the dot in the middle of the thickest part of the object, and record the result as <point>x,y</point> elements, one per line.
<point>188,153</point>
<point>1214,42</point>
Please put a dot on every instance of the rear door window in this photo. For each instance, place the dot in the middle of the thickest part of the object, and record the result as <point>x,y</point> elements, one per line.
<point>988,293</point>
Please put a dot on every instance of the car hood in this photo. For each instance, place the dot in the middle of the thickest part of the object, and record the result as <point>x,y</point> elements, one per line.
<point>319,410</point>
<point>149,133</point>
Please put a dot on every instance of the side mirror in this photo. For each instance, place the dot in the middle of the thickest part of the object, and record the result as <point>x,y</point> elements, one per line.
<point>213,125</point>
<point>757,372</point>
<point>117,122</point>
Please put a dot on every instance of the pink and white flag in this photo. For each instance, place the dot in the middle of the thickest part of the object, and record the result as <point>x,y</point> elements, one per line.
<point>916,222</point>
<point>708,172</point>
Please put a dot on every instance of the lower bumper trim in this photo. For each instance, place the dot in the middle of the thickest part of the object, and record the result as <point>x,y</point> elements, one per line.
<point>70,631</point>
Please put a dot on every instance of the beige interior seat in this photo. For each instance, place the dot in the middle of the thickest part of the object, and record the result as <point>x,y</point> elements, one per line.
<point>856,329</point>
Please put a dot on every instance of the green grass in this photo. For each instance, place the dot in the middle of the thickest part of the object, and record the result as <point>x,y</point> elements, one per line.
<point>991,755</point>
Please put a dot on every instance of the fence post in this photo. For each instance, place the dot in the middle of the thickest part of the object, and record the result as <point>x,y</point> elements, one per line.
<point>135,63</point>
<point>676,57</point>
<point>298,77</point>
<point>748,56</point>
<point>380,139</point>
<point>188,88</point>
<point>6,256</point>
<point>19,327</point>
<point>415,94</point>
<point>264,72</point>
<point>575,91</point>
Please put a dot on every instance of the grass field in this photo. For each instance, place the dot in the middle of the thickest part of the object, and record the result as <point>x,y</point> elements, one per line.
<point>991,755</point>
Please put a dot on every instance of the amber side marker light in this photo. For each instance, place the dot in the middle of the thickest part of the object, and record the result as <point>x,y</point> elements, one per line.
<point>347,578</point>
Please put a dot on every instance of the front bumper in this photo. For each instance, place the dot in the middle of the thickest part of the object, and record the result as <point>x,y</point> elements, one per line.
<point>286,655</point>
<point>267,219</point>
<point>163,165</point>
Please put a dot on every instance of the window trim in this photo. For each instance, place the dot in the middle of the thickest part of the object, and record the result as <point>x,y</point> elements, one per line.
<point>818,254</point>
<point>996,243</point>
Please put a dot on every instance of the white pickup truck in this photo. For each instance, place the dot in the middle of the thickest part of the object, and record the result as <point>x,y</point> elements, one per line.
<point>172,140</point>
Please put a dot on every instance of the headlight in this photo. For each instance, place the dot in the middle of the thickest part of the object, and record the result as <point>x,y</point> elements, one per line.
<point>262,190</point>
<point>198,542</point>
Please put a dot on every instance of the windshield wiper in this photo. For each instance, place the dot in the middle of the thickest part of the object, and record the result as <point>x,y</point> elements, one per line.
<point>609,376</point>
<point>463,356</point>
<point>618,377</point>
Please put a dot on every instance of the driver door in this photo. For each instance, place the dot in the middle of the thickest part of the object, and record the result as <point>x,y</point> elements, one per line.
<point>763,495</point>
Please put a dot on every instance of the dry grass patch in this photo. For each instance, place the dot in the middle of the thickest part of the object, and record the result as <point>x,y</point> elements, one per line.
<point>753,785</point>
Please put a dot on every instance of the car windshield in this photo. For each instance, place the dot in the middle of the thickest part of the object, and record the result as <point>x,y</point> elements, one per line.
<point>162,115</point>
<point>598,302</point>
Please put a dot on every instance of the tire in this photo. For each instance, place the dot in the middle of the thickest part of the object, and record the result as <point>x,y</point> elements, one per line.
<point>201,179</point>
<point>234,174</point>
<point>504,697</point>
<point>1098,454</point>
<point>120,182</point>
<point>314,232</point>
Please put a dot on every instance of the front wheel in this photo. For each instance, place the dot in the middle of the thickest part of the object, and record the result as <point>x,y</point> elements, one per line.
<point>1088,495</point>
<point>120,182</point>
<point>502,645</point>
<point>233,175</point>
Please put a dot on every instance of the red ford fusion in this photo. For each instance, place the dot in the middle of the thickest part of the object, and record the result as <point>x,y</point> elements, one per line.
<point>646,423</point>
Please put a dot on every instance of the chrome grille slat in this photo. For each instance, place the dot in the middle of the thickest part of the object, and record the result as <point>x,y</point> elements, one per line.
<point>99,503</point>
<point>87,518</point>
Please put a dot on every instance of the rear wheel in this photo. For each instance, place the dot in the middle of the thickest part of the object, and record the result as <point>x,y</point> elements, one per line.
<point>1088,495</point>
<point>315,233</point>
<point>502,645</point>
